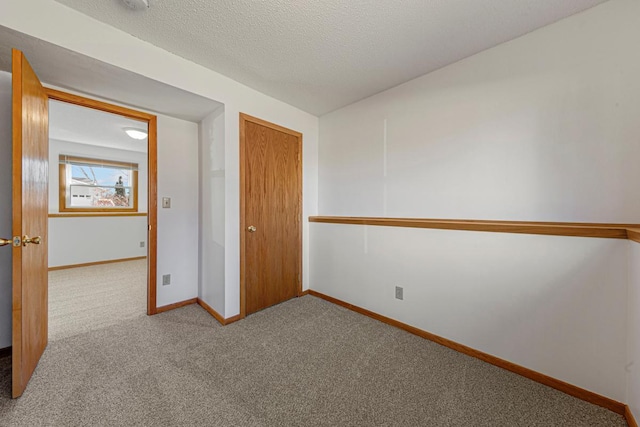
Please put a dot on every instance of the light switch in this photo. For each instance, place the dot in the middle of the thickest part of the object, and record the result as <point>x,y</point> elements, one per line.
<point>166,202</point>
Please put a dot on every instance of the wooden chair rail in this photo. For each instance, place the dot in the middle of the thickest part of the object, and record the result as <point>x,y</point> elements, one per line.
<point>574,229</point>
<point>633,234</point>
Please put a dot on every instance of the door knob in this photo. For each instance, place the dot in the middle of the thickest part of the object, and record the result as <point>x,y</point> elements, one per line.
<point>35,240</point>
<point>5,242</point>
<point>251,229</point>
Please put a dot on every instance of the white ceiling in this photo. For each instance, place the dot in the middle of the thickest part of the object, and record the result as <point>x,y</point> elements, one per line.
<point>70,70</point>
<point>68,122</point>
<point>321,55</point>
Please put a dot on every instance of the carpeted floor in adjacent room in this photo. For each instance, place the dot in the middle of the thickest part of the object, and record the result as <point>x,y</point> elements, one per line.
<point>82,299</point>
<point>305,362</point>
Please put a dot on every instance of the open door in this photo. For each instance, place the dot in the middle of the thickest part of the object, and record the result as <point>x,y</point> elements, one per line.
<point>30,200</point>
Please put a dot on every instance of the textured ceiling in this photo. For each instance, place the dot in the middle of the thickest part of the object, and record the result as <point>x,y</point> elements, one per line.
<point>68,122</point>
<point>321,55</point>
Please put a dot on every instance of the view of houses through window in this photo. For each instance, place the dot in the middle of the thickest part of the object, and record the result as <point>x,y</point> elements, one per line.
<point>88,184</point>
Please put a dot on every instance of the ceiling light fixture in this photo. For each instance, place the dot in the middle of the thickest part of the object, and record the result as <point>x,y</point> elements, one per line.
<point>136,4</point>
<point>136,133</point>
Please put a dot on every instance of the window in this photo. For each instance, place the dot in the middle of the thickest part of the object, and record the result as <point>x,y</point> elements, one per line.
<point>97,185</point>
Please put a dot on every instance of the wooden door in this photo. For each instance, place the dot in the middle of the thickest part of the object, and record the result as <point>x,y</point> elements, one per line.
<point>271,214</point>
<point>30,198</point>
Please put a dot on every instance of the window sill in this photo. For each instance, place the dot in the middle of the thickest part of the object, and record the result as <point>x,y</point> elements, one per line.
<point>90,214</point>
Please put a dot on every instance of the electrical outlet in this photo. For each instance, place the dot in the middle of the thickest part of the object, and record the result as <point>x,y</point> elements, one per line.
<point>166,279</point>
<point>142,244</point>
<point>399,291</point>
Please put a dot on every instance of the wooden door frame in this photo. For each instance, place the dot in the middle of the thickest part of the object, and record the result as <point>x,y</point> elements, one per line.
<point>152,168</point>
<point>244,118</point>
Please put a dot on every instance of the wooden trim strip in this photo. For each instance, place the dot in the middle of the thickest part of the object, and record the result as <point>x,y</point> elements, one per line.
<point>217,315</point>
<point>628,415</point>
<point>152,218</point>
<point>5,352</point>
<point>562,386</point>
<point>62,187</point>
<point>16,307</point>
<point>98,105</point>
<point>211,311</point>
<point>303,293</point>
<point>633,234</point>
<point>65,159</point>
<point>608,231</point>
<point>176,305</point>
<point>248,118</point>
<point>232,319</point>
<point>482,221</point>
<point>107,211</point>
<point>243,244</point>
<point>99,214</point>
<point>89,264</point>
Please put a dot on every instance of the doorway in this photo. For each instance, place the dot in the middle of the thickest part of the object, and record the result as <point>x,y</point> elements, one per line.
<point>270,214</point>
<point>97,222</point>
<point>19,336</point>
<point>88,190</point>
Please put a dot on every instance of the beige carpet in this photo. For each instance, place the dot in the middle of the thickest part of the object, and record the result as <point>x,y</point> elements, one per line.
<point>302,363</point>
<point>88,298</point>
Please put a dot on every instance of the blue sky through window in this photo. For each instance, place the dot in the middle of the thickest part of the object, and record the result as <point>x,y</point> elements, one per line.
<point>102,175</point>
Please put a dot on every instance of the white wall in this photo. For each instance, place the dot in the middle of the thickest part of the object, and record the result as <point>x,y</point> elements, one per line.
<point>633,332</point>
<point>211,280</point>
<point>543,128</point>
<point>82,240</point>
<point>100,41</point>
<point>5,209</point>
<point>550,303</point>
<point>178,225</point>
